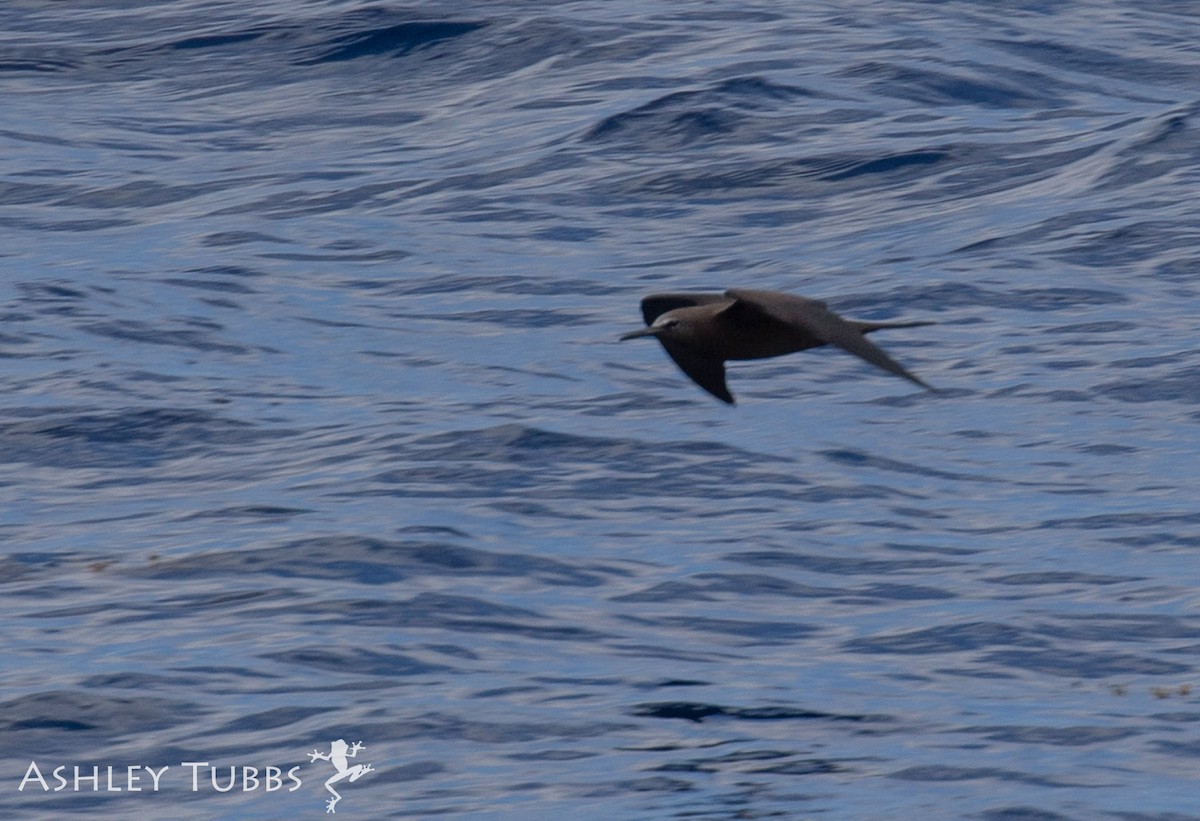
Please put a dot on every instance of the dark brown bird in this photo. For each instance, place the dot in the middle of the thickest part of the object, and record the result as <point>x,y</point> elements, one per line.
<point>702,331</point>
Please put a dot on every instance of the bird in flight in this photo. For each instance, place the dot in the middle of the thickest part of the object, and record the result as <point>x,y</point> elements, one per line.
<point>701,331</point>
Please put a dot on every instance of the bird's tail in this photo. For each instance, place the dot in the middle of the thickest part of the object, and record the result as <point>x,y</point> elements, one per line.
<point>867,327</point>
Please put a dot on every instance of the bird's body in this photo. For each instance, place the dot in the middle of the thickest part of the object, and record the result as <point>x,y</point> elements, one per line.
<point>701,331</point>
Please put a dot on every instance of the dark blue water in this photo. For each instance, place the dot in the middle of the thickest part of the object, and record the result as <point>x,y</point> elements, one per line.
<point>315,425</point>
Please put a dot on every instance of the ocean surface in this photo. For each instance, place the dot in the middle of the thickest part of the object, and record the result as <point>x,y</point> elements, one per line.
<point>315,426</point>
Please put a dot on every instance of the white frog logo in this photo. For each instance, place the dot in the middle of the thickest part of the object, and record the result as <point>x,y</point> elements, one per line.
<point>339,753</point>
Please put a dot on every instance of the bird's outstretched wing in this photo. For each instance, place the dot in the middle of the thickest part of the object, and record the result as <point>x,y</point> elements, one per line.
<point>656,305</point>
<point>706,372</point>
<point>815,318</point>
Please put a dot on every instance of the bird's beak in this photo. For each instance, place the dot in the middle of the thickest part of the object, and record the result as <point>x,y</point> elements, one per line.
<point>647,331</point>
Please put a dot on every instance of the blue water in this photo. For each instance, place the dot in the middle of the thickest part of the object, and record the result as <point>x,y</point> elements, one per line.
<point>315,424</point>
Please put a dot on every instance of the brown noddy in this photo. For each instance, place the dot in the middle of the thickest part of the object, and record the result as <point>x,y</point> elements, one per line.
<point>702,331</point>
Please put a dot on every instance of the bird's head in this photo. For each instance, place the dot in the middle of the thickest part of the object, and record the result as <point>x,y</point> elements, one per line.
<point>671,325</point>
